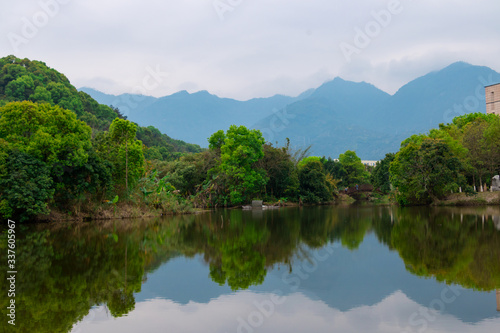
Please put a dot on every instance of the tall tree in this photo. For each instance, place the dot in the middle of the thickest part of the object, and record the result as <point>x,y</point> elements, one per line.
<point>354,169</point>
<point>237,172</point>
<point>380,175</point>
<point>473,141</point>
<point>424,173</point>
<point>40,145</point>
<point>123,132</point>
<point>491,146</point>
<point>314,187</point>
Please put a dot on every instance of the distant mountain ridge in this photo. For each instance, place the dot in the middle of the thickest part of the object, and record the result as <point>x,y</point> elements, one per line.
<point>343,115</point>
<point>193,116</point>
<point>337,116</point>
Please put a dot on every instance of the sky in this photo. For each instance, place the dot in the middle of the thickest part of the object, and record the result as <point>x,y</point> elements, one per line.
<point>250,312</point>
<point>243,49</point>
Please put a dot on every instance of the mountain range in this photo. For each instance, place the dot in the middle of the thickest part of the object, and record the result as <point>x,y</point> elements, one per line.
<point>337,116</point>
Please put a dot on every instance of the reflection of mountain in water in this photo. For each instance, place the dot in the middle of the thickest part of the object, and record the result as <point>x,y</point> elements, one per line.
<point>66,271</point>
<point>345,281</point>
<point>295,313</point>
<point>456,245</point>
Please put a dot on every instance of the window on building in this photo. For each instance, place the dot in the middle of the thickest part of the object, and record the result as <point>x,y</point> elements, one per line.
<point>493,100</point>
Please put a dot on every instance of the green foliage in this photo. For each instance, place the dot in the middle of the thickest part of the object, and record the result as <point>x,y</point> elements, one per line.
<point>426,172</point>
<point>314,187</point>
<point>92,179</point>
<point>334,168</point>
<point>45,118</point>
<point>462,121</point>
<point>451,249</point>
<point>216,140</point>
<point>307,160</point>
<point>67,271</point>
<point>354,169</point>
<point>380,175</point>
<point>26,188</point>
<point>163,147</point>
<point>281,172</point>
<point>127,153</point>
<point>190,171</point>
<point>237,177</point>
<point>49,133</point>
<point>52,142</point>
<point>25,80</point>
<point>160,194</point>
<point>470,156</point>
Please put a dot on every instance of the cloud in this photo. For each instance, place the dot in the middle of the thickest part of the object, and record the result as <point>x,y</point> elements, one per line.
<point>252,312</point>
<point>260,48</point>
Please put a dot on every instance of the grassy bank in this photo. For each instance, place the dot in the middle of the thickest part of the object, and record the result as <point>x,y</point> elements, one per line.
<point>121,209</point>
<point>479,199</point>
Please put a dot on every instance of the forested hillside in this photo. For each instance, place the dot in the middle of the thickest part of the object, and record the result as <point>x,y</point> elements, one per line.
<point>26,80</point>
<point>61,151</point>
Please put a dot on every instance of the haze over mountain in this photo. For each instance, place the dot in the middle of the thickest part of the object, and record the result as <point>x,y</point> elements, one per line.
<point>337,116</point>
<point>193,116</point>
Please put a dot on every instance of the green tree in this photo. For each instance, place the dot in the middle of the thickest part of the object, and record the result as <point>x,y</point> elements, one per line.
<point>424,173</point>
<point>354,169</point>
<point>23,79</point>
<point>450,248</point>
<point>190,171</point>
<point>44,144</point>
<point>20,88</point>
<point>49,133</point>
<point>26,188</point>
<point>380,175</point>
<point>281,171</point>
<point>314,187</point>
<point>41,95</point>
<point>237,172</point>
<point>122,132</point>
<point>334,168</point>
<point>491,147</point>
<point>216,140</point>
<point>473,141</point>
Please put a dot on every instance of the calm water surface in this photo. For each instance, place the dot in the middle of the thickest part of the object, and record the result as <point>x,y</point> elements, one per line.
<point>318,269</point>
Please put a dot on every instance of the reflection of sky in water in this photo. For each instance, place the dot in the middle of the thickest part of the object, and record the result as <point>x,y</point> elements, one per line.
<point>366,290</point>
<point>240,313</point>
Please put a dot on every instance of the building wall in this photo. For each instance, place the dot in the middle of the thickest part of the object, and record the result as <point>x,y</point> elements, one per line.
<point>493,99</point>
<point>369,163</point>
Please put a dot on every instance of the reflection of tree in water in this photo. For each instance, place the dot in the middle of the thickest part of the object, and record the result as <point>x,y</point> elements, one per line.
<point>456,249</point>
<point>353,224</point>
<point>237,257</point>
<point>66,271</point>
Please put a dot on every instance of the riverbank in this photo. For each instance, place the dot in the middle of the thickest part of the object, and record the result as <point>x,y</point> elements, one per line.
<point>478,199</point>
<point>130,210</point>
<point>118,210</point>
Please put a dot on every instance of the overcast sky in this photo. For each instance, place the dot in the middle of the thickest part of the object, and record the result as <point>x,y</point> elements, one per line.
<point>293,313</point>
<point>243,49</point>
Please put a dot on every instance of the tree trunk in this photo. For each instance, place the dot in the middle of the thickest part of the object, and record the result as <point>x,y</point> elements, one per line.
<point>126,165</point>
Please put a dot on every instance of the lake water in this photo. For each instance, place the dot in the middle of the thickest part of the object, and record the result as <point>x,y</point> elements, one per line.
<point>312,269</point>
